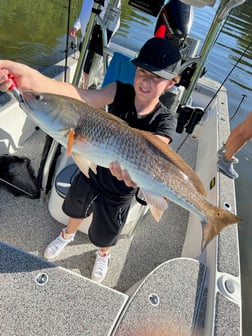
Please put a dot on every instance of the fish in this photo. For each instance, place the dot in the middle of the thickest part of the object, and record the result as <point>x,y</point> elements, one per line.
<point>100,138</point>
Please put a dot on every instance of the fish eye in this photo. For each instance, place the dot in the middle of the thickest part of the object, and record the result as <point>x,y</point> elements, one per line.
<point>38,97</point>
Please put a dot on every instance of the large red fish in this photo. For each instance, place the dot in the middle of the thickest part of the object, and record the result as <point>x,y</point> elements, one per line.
<point>102,138</point>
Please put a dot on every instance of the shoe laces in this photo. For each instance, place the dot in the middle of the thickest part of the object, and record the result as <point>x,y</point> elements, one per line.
<point>101,263</point>
<point>58,242</point>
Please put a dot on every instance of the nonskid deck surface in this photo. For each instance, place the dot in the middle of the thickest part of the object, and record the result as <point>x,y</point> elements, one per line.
<point>27,224</point>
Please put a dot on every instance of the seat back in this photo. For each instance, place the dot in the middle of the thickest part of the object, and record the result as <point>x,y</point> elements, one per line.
<point>120,68</point>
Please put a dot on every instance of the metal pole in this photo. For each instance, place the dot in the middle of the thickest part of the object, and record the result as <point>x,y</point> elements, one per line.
<point>224,8</point>
<point>79,68</point>
<point>67,39</point>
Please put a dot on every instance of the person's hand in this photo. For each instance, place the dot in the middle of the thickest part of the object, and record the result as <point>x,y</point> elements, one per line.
<point>27,78</point>
<point>5,82</point>
<point>121,174</point>
<point>24,76</point>
<point>72,32</point>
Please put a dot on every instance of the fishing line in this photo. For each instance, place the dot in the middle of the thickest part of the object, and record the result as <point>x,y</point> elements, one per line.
<point>243,97</point>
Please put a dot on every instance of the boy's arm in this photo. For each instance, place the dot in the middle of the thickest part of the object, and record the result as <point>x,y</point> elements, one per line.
<point>27,78</point>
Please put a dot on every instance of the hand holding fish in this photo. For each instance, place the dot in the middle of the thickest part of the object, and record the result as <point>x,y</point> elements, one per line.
<point>121,174</point>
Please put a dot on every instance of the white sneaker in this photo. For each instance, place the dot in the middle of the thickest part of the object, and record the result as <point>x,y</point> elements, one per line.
<point>57,245</point>
<point>101,266</point>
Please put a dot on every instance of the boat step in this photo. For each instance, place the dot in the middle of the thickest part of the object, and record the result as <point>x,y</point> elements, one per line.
<point>167,302</point>
<point>40,298</point>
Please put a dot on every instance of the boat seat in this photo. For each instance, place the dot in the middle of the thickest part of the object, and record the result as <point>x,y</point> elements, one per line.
<point>120,68</point>
<point>64,179</point>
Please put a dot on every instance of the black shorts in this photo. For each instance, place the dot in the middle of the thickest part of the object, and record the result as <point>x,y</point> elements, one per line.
<point>109,216</point>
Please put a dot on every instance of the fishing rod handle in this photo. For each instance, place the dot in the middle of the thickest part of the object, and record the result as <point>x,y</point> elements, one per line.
<point>13,88</point>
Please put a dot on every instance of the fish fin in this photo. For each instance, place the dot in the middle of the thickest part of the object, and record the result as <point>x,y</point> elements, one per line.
<point>93,167</point>
<point>156,204</point>
<point>84,164</point>
<point>176,159</point>
<point>70,141</point>
<point>217,220</point>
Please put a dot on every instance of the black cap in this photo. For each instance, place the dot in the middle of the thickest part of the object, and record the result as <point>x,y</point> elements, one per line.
<point>159,56</point>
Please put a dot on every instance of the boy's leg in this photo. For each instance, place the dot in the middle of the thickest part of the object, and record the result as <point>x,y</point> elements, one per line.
<point>78,204</point>
<point>73,225</point>
<point>239,137</point>
<point>109,218</point>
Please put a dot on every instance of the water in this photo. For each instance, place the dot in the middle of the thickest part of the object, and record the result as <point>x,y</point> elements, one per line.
<point>34,33</point>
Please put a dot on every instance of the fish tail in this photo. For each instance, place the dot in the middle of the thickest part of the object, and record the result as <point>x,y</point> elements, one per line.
<point>217,220</point>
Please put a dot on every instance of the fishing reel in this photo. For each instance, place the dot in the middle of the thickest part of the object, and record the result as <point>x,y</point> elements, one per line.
<point>188,118</point>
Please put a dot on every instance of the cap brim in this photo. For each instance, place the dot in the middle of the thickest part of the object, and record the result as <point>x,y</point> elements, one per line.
<point>163,73</point>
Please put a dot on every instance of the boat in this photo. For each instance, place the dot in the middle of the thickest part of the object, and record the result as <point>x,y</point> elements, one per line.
<point>159,281</point>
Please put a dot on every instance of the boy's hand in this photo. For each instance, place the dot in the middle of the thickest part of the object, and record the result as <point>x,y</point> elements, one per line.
<point>5,83</point>
<point>121,174</point>
<point>25,77</point>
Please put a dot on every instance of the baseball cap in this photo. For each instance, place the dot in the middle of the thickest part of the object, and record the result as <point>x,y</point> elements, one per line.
<point>159,56</point>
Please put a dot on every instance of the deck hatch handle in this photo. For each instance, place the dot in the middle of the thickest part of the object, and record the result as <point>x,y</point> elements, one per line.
<point>41,279</point>
<point>154,299</point>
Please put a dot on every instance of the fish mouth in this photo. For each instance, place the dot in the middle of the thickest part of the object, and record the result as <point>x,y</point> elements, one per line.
<point>25,107</point>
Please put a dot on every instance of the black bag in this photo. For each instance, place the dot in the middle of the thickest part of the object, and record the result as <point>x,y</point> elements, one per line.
<point>17,176</point>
